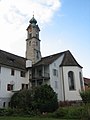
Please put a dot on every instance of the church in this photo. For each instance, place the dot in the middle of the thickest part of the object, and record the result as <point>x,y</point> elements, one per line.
<point>61,70</point>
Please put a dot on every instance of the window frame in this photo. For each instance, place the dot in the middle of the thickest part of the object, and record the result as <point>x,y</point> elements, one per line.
<point>22,73</point>
<point>12,72</point>
<point>55,72</point>
<point>10,87</point>
<point>81,82</point>
<point>56,84</point>
<point>71,80</point>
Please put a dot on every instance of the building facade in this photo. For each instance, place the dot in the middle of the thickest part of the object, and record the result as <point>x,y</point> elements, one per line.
<point>61,71</point>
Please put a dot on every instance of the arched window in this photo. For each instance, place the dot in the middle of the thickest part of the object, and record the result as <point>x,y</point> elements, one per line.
<point>81,82</point>
<point>71,80</point>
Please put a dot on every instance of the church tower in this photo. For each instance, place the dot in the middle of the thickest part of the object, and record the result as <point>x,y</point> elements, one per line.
<point>33,42</point>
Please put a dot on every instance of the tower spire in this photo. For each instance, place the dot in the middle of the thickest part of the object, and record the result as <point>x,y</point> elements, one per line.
<point>33,21</point>
<point>33,13</point>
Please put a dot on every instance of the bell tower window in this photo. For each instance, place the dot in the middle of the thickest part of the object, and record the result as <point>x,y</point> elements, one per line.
<point>30,35</point>
<point>29,43</point>
<point>36,43</point>
<point>37,35</point>
<point>37,55</point>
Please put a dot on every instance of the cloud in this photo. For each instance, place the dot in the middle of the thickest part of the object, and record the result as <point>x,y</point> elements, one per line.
<point>17,11</point>
<point>14,18</point>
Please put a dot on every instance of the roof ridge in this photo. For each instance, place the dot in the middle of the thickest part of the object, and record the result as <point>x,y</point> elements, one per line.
<point>55,54</point>
<point>12,54</point>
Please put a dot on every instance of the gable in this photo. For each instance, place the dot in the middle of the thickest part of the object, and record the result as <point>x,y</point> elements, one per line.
<point>69,60</point>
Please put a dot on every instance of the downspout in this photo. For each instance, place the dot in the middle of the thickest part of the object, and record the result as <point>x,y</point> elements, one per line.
<point>63,84</point>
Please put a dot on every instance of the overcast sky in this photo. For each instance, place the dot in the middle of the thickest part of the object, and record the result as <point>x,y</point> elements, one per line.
<point>64,25</point>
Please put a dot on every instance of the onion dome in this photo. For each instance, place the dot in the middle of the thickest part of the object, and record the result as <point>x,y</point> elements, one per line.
<point>33,20</point>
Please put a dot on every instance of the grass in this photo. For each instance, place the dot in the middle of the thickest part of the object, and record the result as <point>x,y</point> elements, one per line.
<point>27,118</point>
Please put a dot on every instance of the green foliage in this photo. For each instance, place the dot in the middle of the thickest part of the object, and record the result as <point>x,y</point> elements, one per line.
<point>41,99</point>
<point>85,95</point>
<point>60,113</point>
<point>73,112</point>
<point>45,99</point>
<point>22,100</point>
<point>6,112</point>
<point>25,118</point>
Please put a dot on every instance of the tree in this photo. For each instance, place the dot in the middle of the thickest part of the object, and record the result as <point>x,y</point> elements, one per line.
<point>45,99</point>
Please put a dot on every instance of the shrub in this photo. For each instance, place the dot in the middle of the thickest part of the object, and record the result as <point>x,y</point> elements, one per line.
<point>41,99</point>
<point>22,100</point>
<point>85,95</point>
<point>72,112</point>
<point>45,99</point>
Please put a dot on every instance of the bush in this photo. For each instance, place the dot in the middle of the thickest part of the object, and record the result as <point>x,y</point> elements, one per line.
<point>85,95</point>
<point>72,112</point>
<point>22,100</point>
<point>41,99</point>
<point>6,112</point>
<point>45,99</point>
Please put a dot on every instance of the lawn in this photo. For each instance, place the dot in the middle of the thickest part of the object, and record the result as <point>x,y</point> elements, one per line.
<point>26,118</point>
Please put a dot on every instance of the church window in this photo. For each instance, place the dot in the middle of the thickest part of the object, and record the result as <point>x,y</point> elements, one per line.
<point>55,72</point>
<point>81,82</point>
<point>9,87</point>
<point>22,73</point>
<point>71,80</point>
<point>12,71</point>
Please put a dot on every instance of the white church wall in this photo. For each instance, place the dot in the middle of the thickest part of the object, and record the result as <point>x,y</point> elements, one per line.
<point>55,80</point>
<point>72,94</point>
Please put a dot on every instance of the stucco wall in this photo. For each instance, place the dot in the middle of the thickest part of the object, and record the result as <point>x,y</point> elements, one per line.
<point>72,94</point>
<point>53,79</point>
<point>7,78</point>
